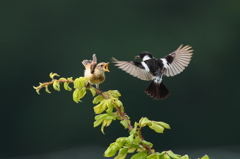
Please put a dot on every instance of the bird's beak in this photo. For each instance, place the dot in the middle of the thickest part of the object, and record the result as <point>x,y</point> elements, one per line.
<point>106,67</point>
<point>137,57</point>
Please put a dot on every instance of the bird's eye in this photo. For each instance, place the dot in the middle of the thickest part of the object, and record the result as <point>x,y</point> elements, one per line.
<point>101,65</point>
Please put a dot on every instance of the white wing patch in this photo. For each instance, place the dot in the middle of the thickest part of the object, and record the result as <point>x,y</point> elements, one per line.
<point>181,59</point>
<point>145,66</point>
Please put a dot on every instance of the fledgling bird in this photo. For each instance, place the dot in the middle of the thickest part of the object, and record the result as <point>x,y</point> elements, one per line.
<point>95,71</point>
<point>152,69</point>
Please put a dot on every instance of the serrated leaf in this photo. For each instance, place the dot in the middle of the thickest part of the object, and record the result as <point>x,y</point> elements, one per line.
<point>132,149</point>
<point>56,85</point>
<point>147,143</point>
<point>140,155</point>
<point>93,91</point>
<point>165,156</point>
<point>51,75</point>
<point>122,153</point>
<point>114,93</point>
<point>172,155</point>
<point>111,150</point>
<point>118,103</point>
<point>157,128</point>
<point>165,125</point>
<point>78,83</point>
<point>98,109</point>
<point>124,123</point>
<point>185,157</point>
<point>76,96</point>
<point>130,139</point>
<point>144,121</point>
<point>46,89</point>
<point>98,99</point>
<point>205,157</point>
<point>154,156</point>
<point>37,90</point>
<point>66,87</point>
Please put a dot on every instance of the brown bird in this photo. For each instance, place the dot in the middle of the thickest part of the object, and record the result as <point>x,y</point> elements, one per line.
<point>152,69</point>
<point>94,71</point>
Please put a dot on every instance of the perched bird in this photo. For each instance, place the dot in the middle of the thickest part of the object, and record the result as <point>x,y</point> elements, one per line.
<point>152,69</point>
<point>95,71</point>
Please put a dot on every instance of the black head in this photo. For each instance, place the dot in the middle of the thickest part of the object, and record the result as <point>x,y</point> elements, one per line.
<point>144,53</point>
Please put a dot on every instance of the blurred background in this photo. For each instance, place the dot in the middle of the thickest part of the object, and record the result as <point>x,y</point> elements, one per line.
<point>39,37</point>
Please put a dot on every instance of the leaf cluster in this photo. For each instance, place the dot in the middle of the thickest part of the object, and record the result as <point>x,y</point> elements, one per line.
<point>108,108</point>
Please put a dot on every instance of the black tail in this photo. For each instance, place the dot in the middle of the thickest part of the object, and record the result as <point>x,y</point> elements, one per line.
<point>157,91</point>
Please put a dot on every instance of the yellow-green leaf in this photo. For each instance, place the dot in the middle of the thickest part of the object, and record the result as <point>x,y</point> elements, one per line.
<point>100,108</point>
<point>56,85</point>
<point>111,150</point>
<point>98,99</point>
<point>172,155</point>
<point>51,75</point>
<point>154,156</point>
<point>140,155</point>
<point>122,153</point>
<point>157,128</point>
<point>205,157</point>
<point>66,87</point>
<point>124,123</point>
<point>165,125</point>
<point>185,157</point>
<point>76,96</point>
<point>93,91</point>
<point>143,121</point>
<point>46,89</point>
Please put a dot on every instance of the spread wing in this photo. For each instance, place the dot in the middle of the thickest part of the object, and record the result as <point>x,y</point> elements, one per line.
<point>133,68</point>
<point>177,60</point>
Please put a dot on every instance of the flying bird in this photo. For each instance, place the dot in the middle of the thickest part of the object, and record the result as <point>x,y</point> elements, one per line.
<point>94,71</point>
<point>152,69</point>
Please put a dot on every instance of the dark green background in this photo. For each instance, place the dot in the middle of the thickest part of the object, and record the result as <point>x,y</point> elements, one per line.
<point>39,37</point>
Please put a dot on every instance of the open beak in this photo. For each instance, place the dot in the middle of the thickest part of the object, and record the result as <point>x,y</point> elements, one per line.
<point>137,57</point>
<point>106,67</point>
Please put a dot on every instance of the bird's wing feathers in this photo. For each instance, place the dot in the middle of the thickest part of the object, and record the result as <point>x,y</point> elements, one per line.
<point>134,69</point>
<point>90,64</point>
<point>178,60</point>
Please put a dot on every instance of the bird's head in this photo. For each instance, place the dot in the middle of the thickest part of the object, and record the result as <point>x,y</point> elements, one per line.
<point>145,55</point>
<point>102,67</point>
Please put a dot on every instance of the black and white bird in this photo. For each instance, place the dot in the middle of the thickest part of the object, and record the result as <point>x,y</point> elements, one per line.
<point>152,69</point>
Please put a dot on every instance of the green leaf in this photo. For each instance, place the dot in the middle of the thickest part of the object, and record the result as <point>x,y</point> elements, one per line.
<point>165,125</point>
<point>185,157</point>
<point>56,85</point>
<point>147,143</point>
<point>114,93</point>
<point>78,83</point>
<point>154,156</point>
<point>157,128</point>
<point>93,91</point>
<point>82,92</point>
<point>124,123</point>
<point>98,99</point>
<point>118,103</point>
<point>66,87</point>
<point>51,75</point>
<point>172,155</point>
<point>76,96</point>
<point>130,139</point>
<point>165,156</point>
<point>205,157</point>
<point>122,153</point>
<point>112,149</point>
<point>98,109</point>
<point>140,155</point>
<point>144,121</point>
<point>46,89</point>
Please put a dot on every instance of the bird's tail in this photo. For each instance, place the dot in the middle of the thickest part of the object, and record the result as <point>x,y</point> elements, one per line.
<point>157,91</point>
